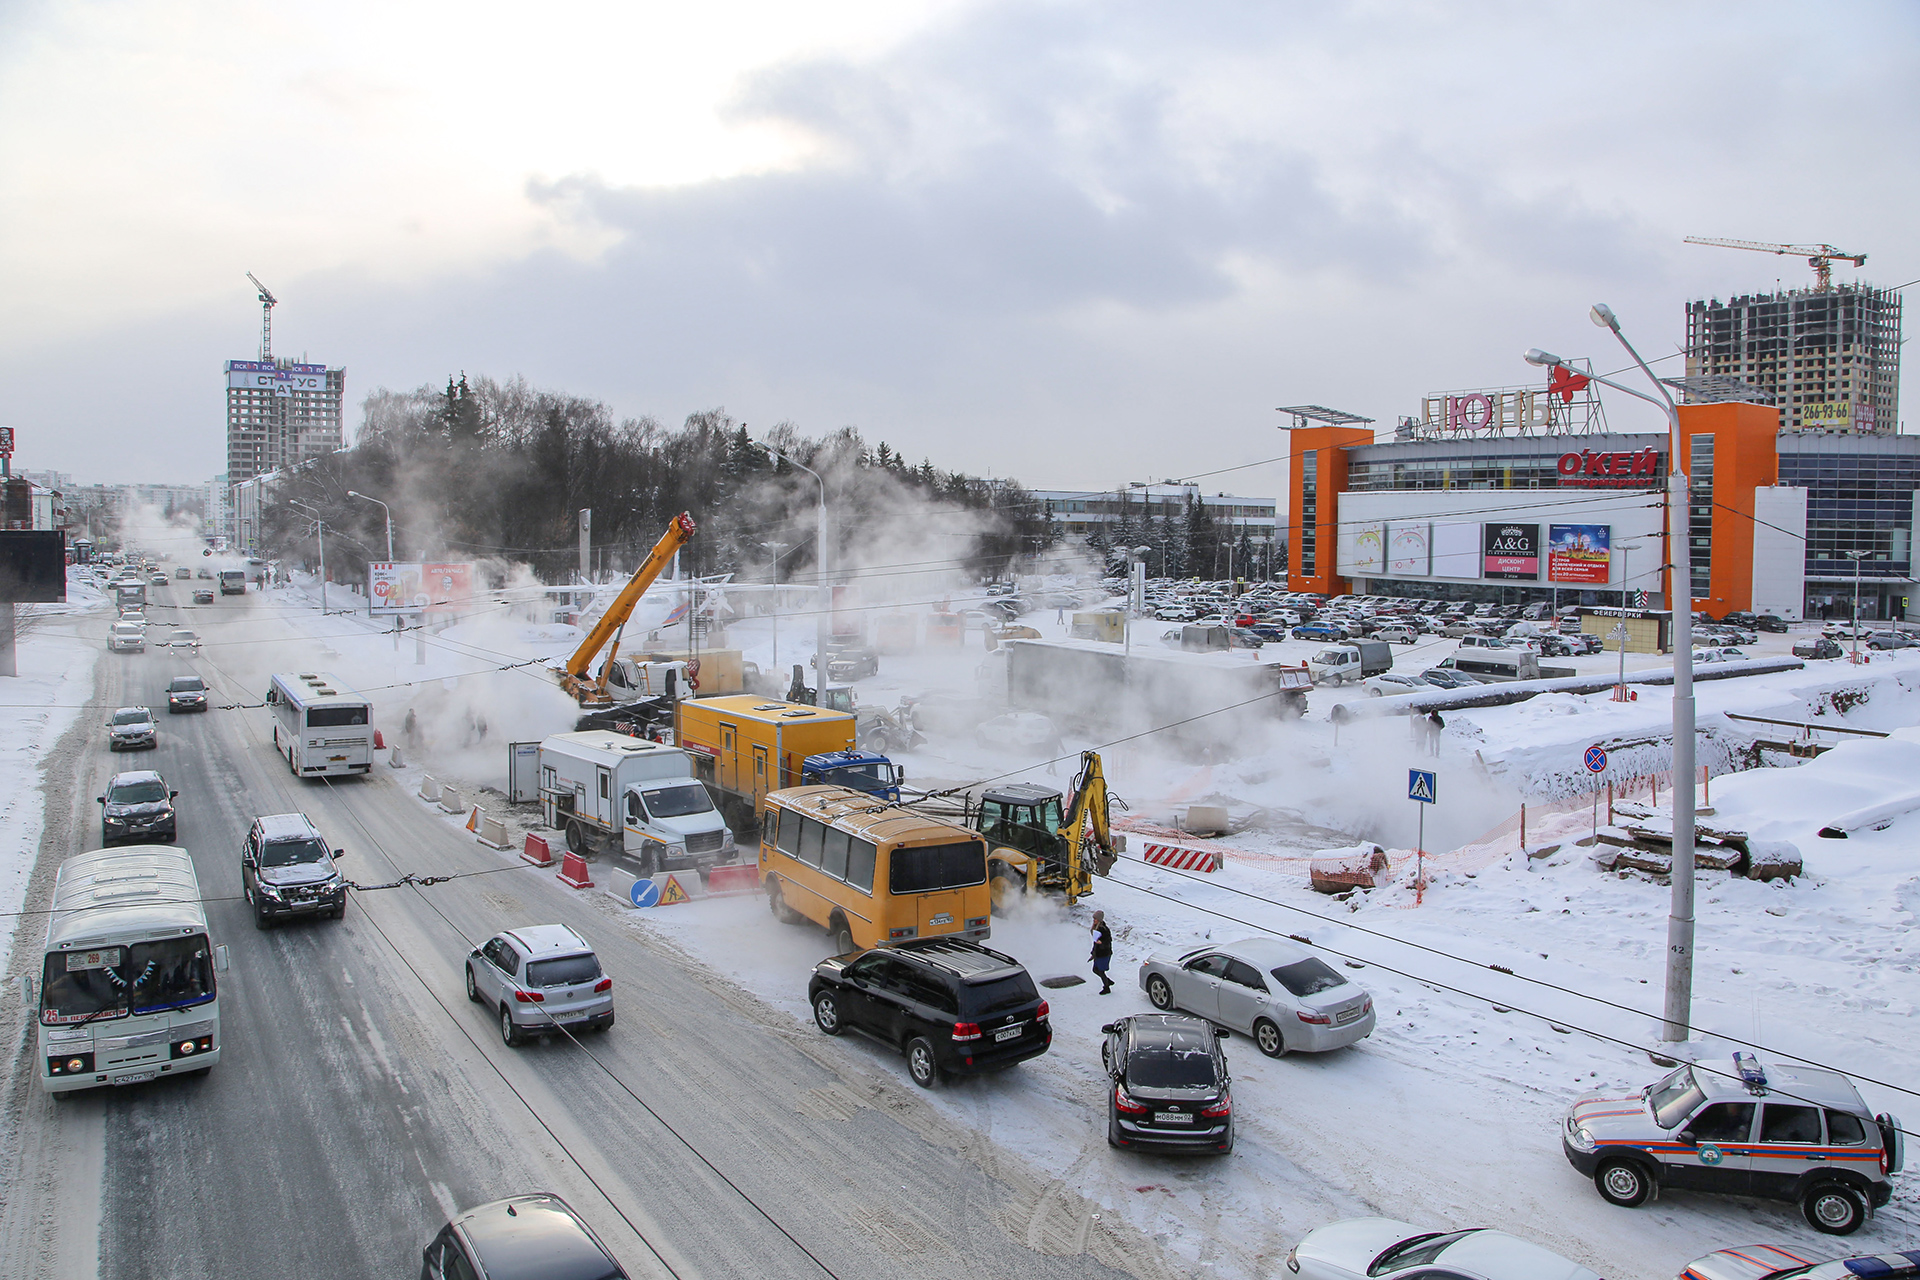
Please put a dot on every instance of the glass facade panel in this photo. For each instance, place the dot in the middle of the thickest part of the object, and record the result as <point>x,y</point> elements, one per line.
<point>1700,515</point>
<point>1856,502</point>
<point>1309,512</point>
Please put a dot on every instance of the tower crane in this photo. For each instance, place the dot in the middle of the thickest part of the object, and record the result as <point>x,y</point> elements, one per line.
<point>1820,257</point>
<point>267,303</point>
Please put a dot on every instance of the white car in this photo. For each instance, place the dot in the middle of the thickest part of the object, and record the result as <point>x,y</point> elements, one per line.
<point>1386,686</point>
<point>1277,991</point>
<point>183,639</point>
<point>1382,1249</point>
<point>1397,633</point>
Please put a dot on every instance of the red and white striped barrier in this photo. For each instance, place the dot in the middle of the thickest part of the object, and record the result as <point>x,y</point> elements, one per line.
<point>1172,855</point>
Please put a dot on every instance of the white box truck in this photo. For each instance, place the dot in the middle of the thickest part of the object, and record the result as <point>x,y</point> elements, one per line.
<point>614,793</point>
<point>1346,663</point>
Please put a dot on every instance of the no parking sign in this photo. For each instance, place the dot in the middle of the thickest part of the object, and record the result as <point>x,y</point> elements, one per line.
<point>1596,759</point>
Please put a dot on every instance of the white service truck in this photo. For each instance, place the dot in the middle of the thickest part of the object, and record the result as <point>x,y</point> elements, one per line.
<point>614,793</point>
<point>1346,663</point>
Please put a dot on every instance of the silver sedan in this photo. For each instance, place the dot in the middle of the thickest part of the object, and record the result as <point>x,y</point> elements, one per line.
<point>1277,991</point>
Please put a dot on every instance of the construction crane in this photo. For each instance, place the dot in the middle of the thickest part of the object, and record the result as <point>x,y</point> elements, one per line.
<point>267,303</point>
<point>1820,257</point>
<point>576,677</point>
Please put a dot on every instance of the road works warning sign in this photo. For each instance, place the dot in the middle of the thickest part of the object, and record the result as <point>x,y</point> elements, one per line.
<point>671,893</point>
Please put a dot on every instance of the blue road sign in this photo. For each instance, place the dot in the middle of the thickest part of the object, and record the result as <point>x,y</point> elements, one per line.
<point>1423,786</point>
<point>645,893</point>
<point>1596,759</point>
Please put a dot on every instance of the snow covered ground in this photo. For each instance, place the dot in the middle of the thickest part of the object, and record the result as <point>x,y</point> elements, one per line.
<point>55,658</point>
<point>1449,1114</point>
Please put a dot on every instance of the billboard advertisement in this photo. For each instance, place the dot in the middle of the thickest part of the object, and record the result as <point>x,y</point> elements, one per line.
<point>33,566</point>
<point>418,588</point>
<point>265,375</point>
<point>1410,549</point>
<point>1580,553</point>
<point>1510,551</point>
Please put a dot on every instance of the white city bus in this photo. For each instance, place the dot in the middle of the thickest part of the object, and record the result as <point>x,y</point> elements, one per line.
<point>320,726</point>
<point>127,989</point>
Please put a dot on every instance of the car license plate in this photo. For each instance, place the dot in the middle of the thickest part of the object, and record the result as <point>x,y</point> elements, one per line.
<point>1348,1016</point>
<point>137,1077</point>
<point>1172,1117</point>
<point>1007,1033</point>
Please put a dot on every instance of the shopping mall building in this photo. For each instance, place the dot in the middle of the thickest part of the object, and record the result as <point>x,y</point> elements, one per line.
<point>1493,496</point>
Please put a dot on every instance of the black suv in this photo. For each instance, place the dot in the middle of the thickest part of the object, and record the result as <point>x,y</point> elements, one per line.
<point>138,806</point>
<point>286,869</point>
<point>952,1006</point>
<point>1170,1083</point>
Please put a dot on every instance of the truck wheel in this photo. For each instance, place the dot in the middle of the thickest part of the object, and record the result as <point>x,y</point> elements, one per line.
<point>576,838</point>
<point>1834,1209</point>
<point>1624,1183</point>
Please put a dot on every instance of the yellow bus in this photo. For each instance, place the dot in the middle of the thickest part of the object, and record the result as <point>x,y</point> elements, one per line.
<point>871,873</point>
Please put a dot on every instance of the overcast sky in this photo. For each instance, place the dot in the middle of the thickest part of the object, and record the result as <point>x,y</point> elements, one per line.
<point>1076,243</point>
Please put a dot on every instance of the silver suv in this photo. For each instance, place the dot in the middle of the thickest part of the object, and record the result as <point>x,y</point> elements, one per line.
<point>1792,1133</point>
<point>538,978</point>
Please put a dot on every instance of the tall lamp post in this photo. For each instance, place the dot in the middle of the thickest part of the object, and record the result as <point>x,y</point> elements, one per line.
<point>1620,630</point>
<point>1680,922</point>
<point>319,536</point>
<point>1856,557</point>
<point>388,512</point>
<point>822,623</point>
<point>774,568</point>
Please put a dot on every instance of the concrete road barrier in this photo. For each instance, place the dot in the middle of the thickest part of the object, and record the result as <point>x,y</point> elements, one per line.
<point>493,833</point>
<point>573,872</point>
<point>727,882</point>
<point>429,790</point>
<point>450,801</point>
<point>536,851</point>
<point>679,886</point>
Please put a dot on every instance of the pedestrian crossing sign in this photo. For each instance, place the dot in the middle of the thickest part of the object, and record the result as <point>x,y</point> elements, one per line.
<point>1422,786</point>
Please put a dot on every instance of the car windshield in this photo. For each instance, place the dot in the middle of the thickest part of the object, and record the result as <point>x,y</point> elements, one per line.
<point>1180,1058</point>
<point>1307,977</point>
<point>939,866</point>
<point>856,777</point>
<point>1674,1098</point>
<point>80,986</point>
<point>131,715</point>
<point>1417,1252</point>
<point>292,853</point>
<point>151,791</point>
<point>182,637</point>
<point>563,971</point>
<point>186,684</point>
<point>1330,657</point>
<point>677,801</point>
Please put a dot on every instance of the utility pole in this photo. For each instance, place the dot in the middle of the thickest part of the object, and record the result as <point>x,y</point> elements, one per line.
<point>586,544</point>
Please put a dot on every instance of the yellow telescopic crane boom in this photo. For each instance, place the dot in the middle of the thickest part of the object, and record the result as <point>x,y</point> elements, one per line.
<point>1820,257</point>
<point>577,678</point>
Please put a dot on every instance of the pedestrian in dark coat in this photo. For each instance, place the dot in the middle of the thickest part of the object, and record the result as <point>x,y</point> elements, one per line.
<point>1102,951</point>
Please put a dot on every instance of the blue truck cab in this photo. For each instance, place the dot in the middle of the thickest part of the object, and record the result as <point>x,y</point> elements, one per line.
<point>865,771</point>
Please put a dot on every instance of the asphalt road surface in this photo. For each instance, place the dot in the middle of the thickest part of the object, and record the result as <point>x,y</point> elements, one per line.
<point>360,1098</point>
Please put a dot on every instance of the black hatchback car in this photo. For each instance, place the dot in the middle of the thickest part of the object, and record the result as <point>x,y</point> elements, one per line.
<point>1171,1090</point>
<point>952,1006</point>
<point>534,1237</point>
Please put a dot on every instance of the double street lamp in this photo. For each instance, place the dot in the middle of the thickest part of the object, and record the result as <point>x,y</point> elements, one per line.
<point>388,512</point>
<point>1856,557</point>
<point>822,620</point>
<point>1680,922</point>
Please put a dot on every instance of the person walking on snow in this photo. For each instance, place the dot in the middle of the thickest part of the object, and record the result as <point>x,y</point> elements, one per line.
<point>1102,951</point>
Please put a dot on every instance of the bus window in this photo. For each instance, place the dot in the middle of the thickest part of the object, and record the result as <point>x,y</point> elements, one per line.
<point>833,853</point>
<point>789,831</point>
<point>939,866</point>
<point>335,717</point>
<point>860,856</point>
<point>811,837</point>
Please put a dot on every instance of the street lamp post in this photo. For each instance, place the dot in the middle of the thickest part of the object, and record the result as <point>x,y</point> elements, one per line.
<point>1620,630</point>
<point>774,569</point>
<point>388,512</point>
<point>319,536</point>
<point>1856,557</point>
<point>821,623</point>
<point>1680,922</point>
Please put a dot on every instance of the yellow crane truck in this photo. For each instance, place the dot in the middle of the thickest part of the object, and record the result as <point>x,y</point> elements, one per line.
<point>577,676</point>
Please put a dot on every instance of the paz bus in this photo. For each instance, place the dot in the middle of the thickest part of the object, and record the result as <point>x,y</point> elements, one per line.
<point>869,872</point>
<point>320,726</point>
<point>127,989</point>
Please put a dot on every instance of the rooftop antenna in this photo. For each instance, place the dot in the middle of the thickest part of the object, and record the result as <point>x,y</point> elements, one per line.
<point>267,303</point>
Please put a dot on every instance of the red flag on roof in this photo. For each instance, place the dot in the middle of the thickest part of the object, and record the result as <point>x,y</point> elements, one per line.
<point>1566,382</point>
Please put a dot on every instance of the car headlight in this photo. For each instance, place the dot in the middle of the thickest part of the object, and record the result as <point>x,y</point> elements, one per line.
<point>269,891</point>
<point>1581,1140</point>
<point>116,822</point>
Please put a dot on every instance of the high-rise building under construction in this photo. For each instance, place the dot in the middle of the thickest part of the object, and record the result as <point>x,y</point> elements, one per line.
<point>1830,358</point>
<point>281,413</point>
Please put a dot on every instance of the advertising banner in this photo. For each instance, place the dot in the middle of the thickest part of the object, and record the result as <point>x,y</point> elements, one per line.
<point>1510,551</point>
<point>1409,549</point>
<point>1580,553</point>
<point>261,375</point>
<point>1361,549</point>
<point>418,588</point>
<point>1456,549</point>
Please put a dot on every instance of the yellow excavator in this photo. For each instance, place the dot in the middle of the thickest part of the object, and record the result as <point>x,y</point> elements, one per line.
<point>577,676</point>
<point>1035,845</point>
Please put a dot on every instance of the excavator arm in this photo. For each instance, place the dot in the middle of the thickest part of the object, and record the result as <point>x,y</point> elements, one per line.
<point>1090,806</point>
<point>577,678</point>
